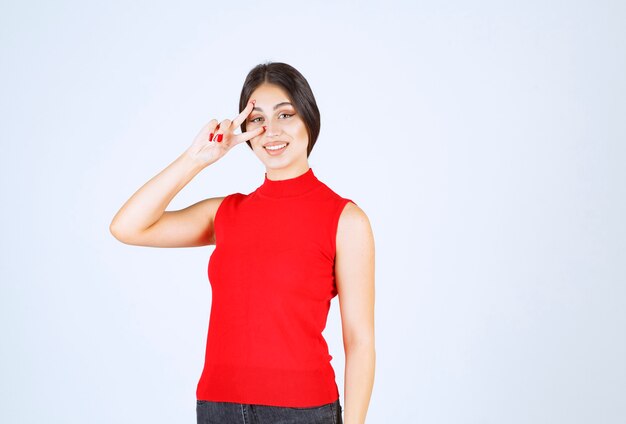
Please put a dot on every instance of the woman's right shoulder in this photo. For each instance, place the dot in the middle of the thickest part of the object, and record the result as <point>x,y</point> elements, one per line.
<point>212,204</point>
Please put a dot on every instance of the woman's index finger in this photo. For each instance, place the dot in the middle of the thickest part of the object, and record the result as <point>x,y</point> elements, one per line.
<point>244,114</point>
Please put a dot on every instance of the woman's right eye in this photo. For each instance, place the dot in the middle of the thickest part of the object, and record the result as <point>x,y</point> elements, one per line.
<point>255,119</point>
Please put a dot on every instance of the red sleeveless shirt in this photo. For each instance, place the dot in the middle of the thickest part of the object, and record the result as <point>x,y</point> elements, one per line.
<point>272,281</point>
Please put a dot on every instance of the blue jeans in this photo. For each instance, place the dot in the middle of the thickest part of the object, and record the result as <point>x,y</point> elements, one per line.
<point>209,412</point>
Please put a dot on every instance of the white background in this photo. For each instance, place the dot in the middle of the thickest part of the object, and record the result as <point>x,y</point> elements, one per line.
<point>485,140</point>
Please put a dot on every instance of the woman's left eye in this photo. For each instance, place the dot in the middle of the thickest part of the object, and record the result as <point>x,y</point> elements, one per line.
<point>286,114</point>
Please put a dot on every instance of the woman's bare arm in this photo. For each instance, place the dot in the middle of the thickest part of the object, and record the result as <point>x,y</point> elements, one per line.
<point>354,273</point>
<point>143,220</point>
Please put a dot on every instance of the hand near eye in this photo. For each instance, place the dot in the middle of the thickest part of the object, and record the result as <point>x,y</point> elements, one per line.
<point>215,139</point>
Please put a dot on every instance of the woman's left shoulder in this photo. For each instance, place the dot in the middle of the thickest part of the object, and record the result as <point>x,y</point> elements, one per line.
<point>353,217</point>
<point>354,232</point>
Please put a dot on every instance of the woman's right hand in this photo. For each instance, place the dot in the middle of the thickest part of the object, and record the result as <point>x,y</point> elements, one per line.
<point>215,139</point>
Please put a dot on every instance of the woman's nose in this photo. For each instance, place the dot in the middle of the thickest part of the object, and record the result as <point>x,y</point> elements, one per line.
<point>272,129</point>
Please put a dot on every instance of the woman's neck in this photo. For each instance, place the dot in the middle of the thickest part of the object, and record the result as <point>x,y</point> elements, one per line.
<point>287,173</point>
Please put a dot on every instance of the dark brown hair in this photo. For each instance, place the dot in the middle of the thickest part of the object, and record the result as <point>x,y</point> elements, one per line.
<point>300,94</point>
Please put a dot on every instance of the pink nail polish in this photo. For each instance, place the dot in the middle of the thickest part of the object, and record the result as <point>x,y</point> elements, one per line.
<point>254,102</point>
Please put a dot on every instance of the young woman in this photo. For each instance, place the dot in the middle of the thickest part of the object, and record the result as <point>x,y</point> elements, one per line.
<point>281,254</point>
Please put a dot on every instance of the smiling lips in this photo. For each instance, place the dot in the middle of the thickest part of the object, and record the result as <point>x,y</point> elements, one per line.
<point>275,148</point>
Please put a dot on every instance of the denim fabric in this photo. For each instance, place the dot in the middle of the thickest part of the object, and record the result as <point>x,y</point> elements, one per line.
<point>209,412</point>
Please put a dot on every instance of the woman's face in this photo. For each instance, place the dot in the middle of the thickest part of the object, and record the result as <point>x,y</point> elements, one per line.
<point>282,147</point>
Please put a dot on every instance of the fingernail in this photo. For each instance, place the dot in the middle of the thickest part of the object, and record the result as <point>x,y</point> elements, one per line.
<point>220,137</point>
<point>211,137</point>
<point>264,128</point>
<point>254,102</point>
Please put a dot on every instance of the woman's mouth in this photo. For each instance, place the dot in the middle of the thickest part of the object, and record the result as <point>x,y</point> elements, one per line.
<point>275,148</point>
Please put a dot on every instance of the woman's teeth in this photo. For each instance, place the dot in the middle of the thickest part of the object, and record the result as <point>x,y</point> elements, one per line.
<point>277,147</point>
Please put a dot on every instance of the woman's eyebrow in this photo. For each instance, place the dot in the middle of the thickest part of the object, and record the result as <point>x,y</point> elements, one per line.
<point>275,107</point>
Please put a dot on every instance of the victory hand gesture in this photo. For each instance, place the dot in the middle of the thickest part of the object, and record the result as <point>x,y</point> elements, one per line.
<point>215,139</point>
